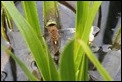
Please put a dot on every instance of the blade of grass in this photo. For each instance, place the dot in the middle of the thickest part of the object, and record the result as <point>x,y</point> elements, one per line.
<point>81,19</point>
<point>93,10</point>
<point>90,18</point>
<point>53,71</point>
<point>30,10</point>
<point>86,69</point>
<point>83,72</point>
<point>30,76</point>
<point>84,20</point>
<point>31,38</point>
<point>83,28</point>
<point>94,60</point>
<point>66,63</point>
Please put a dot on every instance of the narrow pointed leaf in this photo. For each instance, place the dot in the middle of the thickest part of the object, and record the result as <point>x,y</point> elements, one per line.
<point>67,68</point>
<point>84,18</point>
<point>31,14</point>
<point>30,76</point>
<point>94,60</point>
<point>31,38</point>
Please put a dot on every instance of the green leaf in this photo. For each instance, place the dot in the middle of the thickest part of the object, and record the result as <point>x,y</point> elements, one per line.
<point>83,72</point>
<point>31,14</point>
<point>91,16</point>
<point>81,21</point>
<point>53,71</point>
<point>81,17</point>
<point>30,76</point>
<point>94,60</point>
<point>66,64</point>
<point>84,18</point>
<point>31,38</point>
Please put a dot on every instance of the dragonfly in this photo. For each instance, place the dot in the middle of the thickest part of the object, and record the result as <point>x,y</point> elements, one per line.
<point>63,35</point>
<point>54,37</point>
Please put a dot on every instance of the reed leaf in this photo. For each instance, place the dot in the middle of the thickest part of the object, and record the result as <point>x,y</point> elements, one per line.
<point>30,76</point>
<point>67,68</point>
<point>94,60</point>
<point>31,39</point>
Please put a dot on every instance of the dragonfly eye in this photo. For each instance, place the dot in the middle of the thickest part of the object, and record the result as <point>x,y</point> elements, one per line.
<point>51,23</point>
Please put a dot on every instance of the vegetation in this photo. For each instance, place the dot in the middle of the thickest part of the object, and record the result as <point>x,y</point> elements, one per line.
<point>73,61</point>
